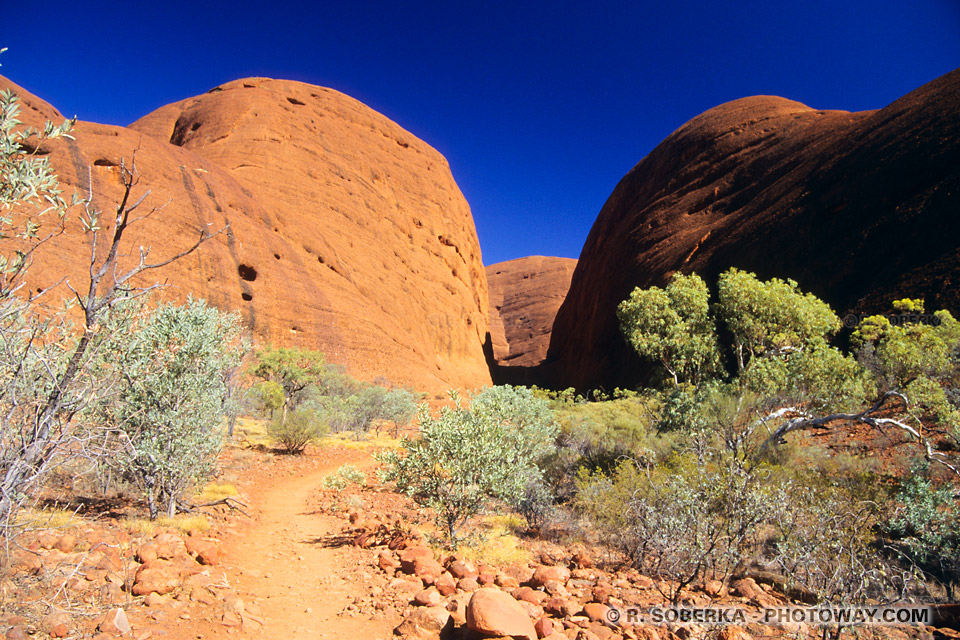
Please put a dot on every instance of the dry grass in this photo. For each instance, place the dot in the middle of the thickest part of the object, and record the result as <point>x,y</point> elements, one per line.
<point>181,523</point>
<point>349,441</point>
<point>253,432</point>
<point>499,545</point>
<point>217,491</point>
<point>47,518</point>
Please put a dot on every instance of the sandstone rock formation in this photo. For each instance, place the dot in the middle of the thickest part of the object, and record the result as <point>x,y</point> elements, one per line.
<point>347,234</point>
<point>859,208</point>
<point>524,297</point>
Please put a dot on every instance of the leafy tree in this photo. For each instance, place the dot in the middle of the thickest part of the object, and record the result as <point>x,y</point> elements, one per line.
<point>369,408</point>
<point>269,396</point>
<point>780,339</point>
<point>30,193</point>
<point>399,408</point>
<point>918,363</point>
<point>338,412</point>
<point>770,318</point>
<point>869,330</point>
<point>815,379</point>
<point>673,327</point>
<point>910,351</point>
<point>295,370</point>
<point>464,458</point>
<point>169,408</point>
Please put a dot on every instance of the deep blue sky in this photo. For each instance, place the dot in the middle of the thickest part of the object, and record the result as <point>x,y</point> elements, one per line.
<point>539,107</point>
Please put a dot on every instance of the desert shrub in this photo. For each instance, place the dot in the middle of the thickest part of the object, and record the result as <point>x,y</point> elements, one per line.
<point>346,404</point>
<point>169,405</point>
<point>824,544</point>
<point>464,458</point>
<point>685,519</point>
<point>536,504</point>
<point>355,412</point>
<point>301,427</point>
<point>926,524</point>
<point>682,409</point>
<point>597,435</point>
<point>346,475</point>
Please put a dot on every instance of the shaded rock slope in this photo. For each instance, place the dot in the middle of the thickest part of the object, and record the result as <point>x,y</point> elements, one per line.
<point>859,208</point>
<point>347,233</point>
<point>524,297</point>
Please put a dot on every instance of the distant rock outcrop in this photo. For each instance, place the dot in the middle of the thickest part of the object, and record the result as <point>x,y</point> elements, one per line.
<point>347,234</point>
<point>859,208</point>
<point>524,297</point>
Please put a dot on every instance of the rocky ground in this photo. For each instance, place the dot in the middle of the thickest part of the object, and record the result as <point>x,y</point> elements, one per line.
<point>313,562</point>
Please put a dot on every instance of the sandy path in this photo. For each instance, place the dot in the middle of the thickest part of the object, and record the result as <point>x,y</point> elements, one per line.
<point>282,567</point>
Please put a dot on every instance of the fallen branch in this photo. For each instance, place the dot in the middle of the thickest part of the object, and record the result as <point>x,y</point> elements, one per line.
<point>233,503</point>
<point>800,420</point>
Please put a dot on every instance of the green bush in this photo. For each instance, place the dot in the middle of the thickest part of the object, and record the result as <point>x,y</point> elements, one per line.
<point>169,405</point>
<point>300,428</point>
<point>465,458</point>
<point>346,475</point>
<point>926,525</point>
<point>673,327</point>
<point>597,435</point>
<point>682,520</point>
<point>268,397</point>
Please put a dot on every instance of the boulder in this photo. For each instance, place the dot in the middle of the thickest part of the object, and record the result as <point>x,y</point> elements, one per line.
<point>159,576</point>
<point>115,621</point>
<point>462,569</point>
<point>426,623</point>
<point>543,575</point>
<point>597,612</point>
<point>733,632</point>
<point>66,543</point>
<point>446,584</point>
<point>57,623</point>
<point>495,613</point>
<point>545,627</point>
<point>429,597</point>
<point>749,589</point>
<point>205,552</point>
<point>468,584</point>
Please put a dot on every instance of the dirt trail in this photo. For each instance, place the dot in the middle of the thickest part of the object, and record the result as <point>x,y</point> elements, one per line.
<point>282,564</point>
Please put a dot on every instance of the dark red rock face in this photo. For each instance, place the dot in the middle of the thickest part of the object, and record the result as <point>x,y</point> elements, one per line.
<point>859,208</point>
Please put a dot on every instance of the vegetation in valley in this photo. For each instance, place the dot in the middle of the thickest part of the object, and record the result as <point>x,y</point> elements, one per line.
<point>730,464</point>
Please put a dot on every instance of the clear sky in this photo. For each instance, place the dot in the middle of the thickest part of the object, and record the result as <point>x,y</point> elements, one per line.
<point>540,107</point>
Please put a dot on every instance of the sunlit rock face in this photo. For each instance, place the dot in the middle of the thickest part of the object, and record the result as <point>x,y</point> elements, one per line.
<point>524,297</point>
<point>346,233</point>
